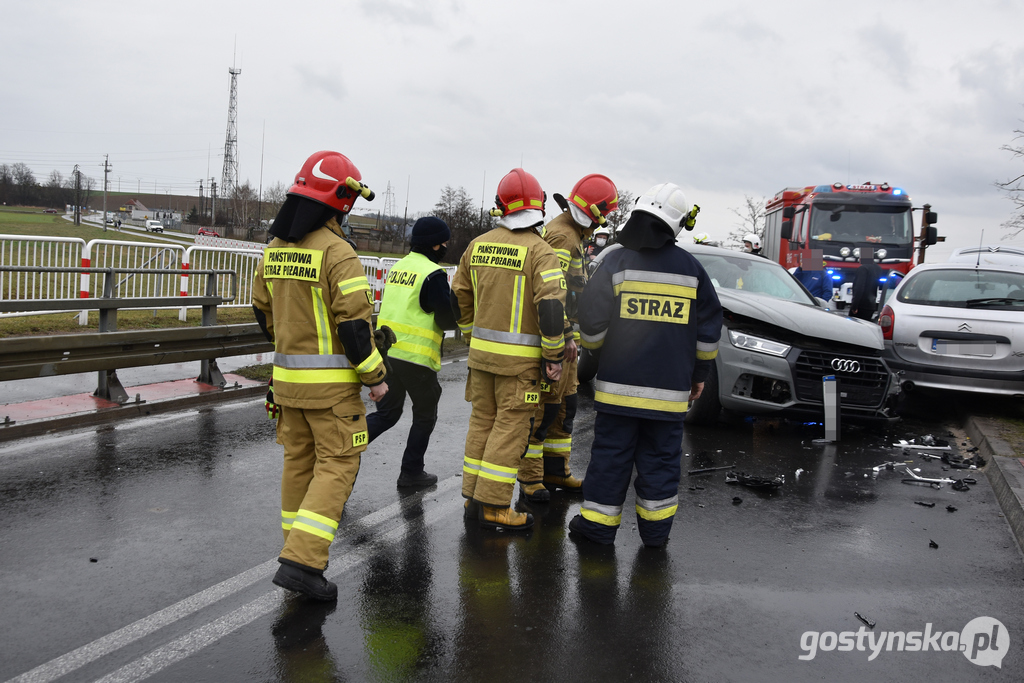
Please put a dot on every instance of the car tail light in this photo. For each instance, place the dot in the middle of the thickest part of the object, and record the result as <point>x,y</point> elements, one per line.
<point>886,320</point>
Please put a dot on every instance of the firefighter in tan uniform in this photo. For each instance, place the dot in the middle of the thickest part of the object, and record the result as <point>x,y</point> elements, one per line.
<point>510,293</point>
<point>312,300</point>
<point>546,466</point>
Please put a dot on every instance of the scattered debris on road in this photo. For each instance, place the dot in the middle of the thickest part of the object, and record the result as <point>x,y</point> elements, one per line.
<point>918,479</point>
<point>932,544</point>
<point>911,446</point>
<point>922,504</point>
<point>950,508</point>
<point>705,470</point>
<point>753,481</point>
<point>867,622</point>
<point>736,500</point>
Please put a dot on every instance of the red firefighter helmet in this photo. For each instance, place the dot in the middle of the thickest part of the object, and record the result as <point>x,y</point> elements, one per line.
<point>596,196</point>
<point>518,191</point>
<point>330,178</point>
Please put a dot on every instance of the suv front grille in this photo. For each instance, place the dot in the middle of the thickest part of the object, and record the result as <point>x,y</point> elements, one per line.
<point>865,387</point>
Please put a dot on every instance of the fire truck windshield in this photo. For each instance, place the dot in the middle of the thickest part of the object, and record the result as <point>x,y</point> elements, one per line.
<point>848,222</point>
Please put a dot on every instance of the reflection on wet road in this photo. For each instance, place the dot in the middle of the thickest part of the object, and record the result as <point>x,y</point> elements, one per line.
<point>179,514</point>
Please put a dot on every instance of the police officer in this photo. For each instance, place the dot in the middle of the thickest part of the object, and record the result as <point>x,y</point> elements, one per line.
<point>416,305</point>
<point>546,467</point>
<point>510,293</point>
<point>312,300</point>
<point>653,313</point>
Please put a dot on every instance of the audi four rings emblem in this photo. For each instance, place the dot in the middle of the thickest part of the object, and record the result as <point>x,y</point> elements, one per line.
<point>845,365</point>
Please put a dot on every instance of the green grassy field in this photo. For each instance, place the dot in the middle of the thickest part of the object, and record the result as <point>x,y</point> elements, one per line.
<point>33,222</point>
<point>67,323</point>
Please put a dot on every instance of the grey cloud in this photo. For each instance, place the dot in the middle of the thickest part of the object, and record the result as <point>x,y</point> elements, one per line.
<point>410,12</point>
<point>746,29</point>
<point>330,84</point>
<point>890,48</point>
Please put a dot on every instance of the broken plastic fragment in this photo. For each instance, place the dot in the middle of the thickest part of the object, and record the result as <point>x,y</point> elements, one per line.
<point>867,622</point>
<point>932,544</point>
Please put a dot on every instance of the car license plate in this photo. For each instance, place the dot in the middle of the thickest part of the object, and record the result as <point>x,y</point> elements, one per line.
<point>949,347</point>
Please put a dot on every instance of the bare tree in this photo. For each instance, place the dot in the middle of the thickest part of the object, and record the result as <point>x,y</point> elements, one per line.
<point>1014,189</point>
<point>455,207</point>
<point>617,218</point>
<point>26,187</point>
<point>751,219</point>
<point>273,198</point>
<point>244,207</point>
<point>6,183</point>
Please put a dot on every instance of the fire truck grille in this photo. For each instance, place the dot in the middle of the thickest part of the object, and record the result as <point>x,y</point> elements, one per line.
<point>862,380</point>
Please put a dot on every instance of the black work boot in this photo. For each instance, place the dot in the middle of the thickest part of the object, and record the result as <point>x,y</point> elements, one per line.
<point>310,583</point>
<point>421,479</point>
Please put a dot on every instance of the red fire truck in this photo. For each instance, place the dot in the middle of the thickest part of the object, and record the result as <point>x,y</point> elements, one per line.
<point>841,220</point>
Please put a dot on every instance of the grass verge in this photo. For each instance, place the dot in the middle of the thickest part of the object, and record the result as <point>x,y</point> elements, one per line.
<point>67,323</point>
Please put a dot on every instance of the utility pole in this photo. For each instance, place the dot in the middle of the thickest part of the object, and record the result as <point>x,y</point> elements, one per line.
<point>405,219</point>
<point>202,202</point>
<point>259,196</point>
<point>213,194</point>
<point>106,170</point>
<point>78,195</point>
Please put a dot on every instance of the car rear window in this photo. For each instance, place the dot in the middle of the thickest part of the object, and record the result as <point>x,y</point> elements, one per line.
<point>964,288</point>
<point>759,276</point>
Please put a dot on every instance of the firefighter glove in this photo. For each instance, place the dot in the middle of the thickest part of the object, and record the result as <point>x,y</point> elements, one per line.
<point>384,338</point>
<point>273,410</point>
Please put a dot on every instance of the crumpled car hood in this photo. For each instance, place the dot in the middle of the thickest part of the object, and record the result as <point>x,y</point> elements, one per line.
<point>801,319</point>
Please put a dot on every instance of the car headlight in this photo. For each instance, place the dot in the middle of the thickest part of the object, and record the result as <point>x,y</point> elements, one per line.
<point>844,252</point>
<point>881,253</point>
<point>856,252</point>
<point>742,340</point>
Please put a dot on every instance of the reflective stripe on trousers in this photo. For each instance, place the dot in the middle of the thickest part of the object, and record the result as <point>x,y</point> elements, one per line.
<point>654,510</point>
<point>504,475</point>
<point>607,515</point>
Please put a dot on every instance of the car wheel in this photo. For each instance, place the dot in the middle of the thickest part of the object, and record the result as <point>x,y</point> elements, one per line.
<point>705,410</point>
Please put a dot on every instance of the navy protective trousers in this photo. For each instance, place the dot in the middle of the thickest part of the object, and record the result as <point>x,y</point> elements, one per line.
<point>654,447</point>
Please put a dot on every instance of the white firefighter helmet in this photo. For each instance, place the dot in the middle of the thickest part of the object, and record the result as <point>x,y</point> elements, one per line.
<point>754,240</point>
<point>701,238</point>
<point>667,202</point>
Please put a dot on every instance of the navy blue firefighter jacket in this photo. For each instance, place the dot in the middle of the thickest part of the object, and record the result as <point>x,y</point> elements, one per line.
<point>654,317</point>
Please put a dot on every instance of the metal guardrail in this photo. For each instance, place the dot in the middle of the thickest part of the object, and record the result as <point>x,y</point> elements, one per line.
<point>66,354</point>
<point>18,360</point>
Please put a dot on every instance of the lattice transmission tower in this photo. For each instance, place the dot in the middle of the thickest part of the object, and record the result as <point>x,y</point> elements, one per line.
<point>229,176</point>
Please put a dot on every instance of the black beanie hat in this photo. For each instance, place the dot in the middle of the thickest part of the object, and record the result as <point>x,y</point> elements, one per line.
<point>428,231</point>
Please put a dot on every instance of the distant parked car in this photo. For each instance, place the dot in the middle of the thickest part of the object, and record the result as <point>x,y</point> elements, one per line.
<point>958,326</point>
<point>778,342</point>
<point>50,211</point>
<point>994,255</point>
<point>154,226</point>
<point>207,232</point>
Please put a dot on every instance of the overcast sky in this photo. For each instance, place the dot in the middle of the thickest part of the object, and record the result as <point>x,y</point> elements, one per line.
<point>724,98</point>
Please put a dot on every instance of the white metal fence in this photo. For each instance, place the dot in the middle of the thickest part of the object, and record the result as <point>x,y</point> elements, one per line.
<point>47,252</point>
<point>18,250</point>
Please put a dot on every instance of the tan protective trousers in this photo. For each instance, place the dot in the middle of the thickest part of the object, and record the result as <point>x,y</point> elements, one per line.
<point>321,461</point>
<point>499,430</point>
<point>548,453</point>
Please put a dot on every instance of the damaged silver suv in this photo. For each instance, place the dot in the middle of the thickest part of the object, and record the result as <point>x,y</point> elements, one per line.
<point>778,342</point>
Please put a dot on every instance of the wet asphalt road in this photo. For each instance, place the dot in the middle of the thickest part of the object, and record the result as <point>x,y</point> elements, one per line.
<point>144,551</point>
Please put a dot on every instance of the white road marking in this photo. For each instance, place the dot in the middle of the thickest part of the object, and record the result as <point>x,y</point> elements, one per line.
<point>65,664</point>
